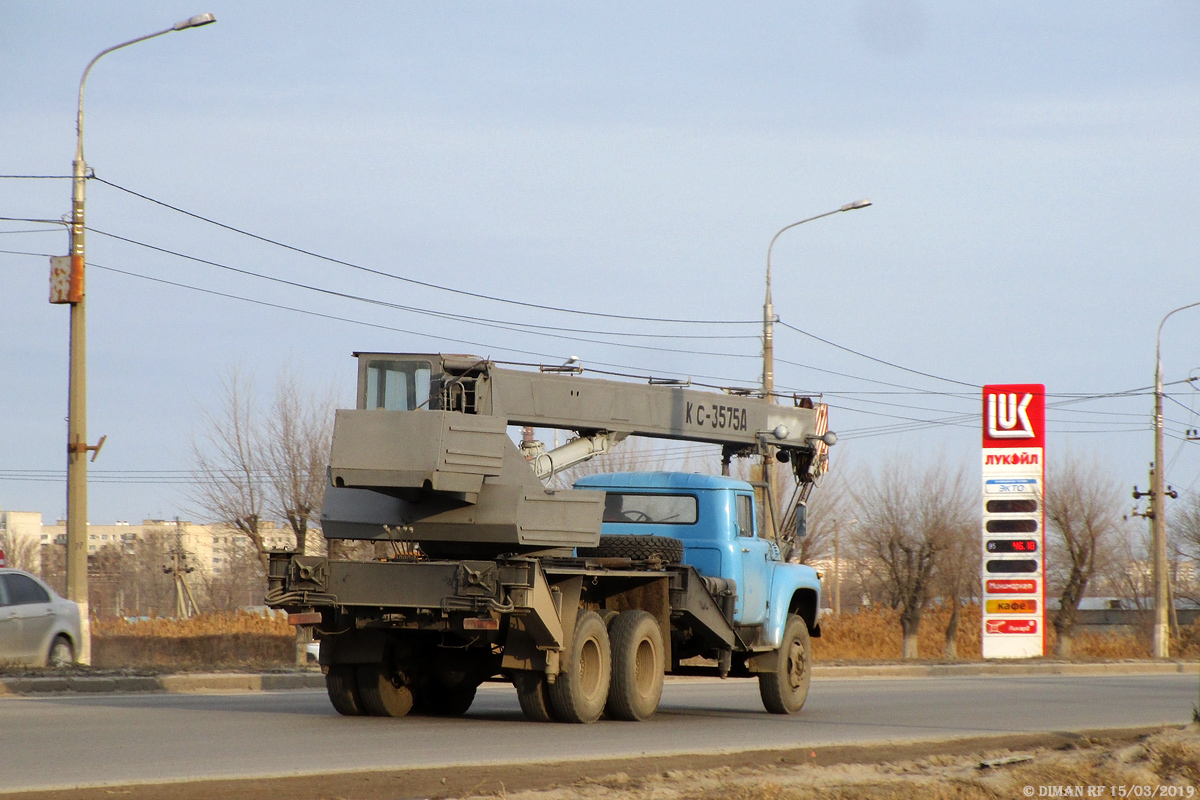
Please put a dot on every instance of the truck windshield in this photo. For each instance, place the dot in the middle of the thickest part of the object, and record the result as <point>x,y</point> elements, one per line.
<point>671,509</point>
<point>398,385</point>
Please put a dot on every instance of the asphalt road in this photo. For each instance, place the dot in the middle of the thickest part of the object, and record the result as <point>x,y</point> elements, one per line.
<point>71,741</point>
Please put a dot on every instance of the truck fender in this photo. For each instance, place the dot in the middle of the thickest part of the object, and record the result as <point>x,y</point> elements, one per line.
<point>795,589</point>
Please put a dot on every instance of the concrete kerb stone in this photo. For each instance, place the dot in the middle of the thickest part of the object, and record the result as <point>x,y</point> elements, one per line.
<point>994,668</point>
<point>183,683</point>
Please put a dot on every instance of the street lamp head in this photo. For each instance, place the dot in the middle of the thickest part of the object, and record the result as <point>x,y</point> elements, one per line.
<point>194,22</point>
<point>856,204</point>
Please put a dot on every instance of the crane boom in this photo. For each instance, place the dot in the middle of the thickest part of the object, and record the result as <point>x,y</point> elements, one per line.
<point>426,454</point>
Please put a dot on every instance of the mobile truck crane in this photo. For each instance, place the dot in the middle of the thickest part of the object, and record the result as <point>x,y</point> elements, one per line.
<point>583,598</point>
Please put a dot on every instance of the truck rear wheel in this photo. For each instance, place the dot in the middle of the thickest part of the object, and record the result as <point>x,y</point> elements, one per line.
<point>342,685</point>
<point>533,695</point>
<point>636,547</point>
<point>785,689</point>
<point>381,694</point>
<point>637,666</point>
<point>581,689</point>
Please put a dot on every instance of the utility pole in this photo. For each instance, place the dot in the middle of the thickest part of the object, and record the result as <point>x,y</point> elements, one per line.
<point>1162,594</point>
<point>768,374</point>
<point>67,286</point>
<point>185,603</point>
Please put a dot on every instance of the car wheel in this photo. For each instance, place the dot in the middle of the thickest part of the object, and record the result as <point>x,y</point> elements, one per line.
<point>61,653</point>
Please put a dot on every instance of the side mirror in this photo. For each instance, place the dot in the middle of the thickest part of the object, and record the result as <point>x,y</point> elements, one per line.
<point>801,522</point>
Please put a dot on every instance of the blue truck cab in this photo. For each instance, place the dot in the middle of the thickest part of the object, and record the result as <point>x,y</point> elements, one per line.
<point>716,519</point>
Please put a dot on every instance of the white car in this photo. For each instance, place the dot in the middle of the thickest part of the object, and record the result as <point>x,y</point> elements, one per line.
<point>37,627</point>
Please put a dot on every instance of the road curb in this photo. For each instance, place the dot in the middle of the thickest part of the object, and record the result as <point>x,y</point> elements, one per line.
<point>989,668</point>
<point>178,684</point>
<point>196,683</point>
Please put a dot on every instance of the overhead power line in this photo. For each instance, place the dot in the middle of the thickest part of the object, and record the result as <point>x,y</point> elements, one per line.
<point>550,357</point>
<point>877,360</point>
<point>516,325</point>
<point>414,281</point>
<point>558,333</point>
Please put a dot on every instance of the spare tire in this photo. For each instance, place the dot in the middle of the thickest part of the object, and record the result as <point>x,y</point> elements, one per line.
<point>636,547</point>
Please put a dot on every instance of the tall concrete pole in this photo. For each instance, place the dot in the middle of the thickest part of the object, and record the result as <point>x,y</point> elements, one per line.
<point>1162,595</point>
<point>768,374</point>
<point>77,446</point>
<point>77,540</point>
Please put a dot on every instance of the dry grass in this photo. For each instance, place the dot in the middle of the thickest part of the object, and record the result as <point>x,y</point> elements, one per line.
<point>873,634</point>
<point>215,624</point>
<point>206,641</point>
<point>1170,758</point>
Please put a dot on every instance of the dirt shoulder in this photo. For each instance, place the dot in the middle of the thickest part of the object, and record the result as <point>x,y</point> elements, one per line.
<point>1127,758</point>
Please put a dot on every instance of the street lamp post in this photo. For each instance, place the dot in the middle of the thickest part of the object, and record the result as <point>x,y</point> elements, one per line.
<point>1157,498</point>
<point>768,376</point>
<point>77,447</point>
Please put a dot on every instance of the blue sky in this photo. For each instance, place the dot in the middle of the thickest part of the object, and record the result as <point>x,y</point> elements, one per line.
<point>1033,169</point>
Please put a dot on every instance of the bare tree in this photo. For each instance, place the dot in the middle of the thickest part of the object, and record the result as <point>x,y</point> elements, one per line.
<point>239,581</point>
<point>21,552</point>
<point>295,449</point>
<point>252,467</point>
<point>230,464</point>
<point>1083,510</point>
<point>958,578</point>
<point>1126,573</point>
<point>828,508</point>
<point>1183,532</point>
<point>907,522</point>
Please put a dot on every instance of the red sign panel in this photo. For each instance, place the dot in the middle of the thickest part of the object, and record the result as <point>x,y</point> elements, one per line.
<point>1011,587</point>
<point>1011,625</point>
<point>1014,415</point>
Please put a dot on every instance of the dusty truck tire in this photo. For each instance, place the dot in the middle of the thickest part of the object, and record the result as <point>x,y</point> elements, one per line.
<point>636,547</point>
<point>637,666</point>
<point>580,691</point>
<point>785,689</point>
<point>342,685</point>
<point>380,695</point>
<point>533,695</point>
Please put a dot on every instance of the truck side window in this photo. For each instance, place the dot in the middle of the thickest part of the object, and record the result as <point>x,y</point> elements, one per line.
<point>398,385</point>
<point>666,509</point>
<point>745,515</point>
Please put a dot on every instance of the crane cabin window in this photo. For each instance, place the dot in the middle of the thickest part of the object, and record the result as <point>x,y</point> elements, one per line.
<point>669,509</point>
<point>398,385</point>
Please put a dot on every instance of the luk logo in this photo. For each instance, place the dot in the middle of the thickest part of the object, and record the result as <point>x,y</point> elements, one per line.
<point>1008,418</point>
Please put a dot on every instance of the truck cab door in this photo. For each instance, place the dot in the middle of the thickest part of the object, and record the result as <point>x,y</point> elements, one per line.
<point>754,585</point>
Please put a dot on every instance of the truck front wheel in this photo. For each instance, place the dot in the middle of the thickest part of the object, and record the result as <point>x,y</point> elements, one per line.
<point>579,692</point>
<point>637,666</point>
<point>785,688</point>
